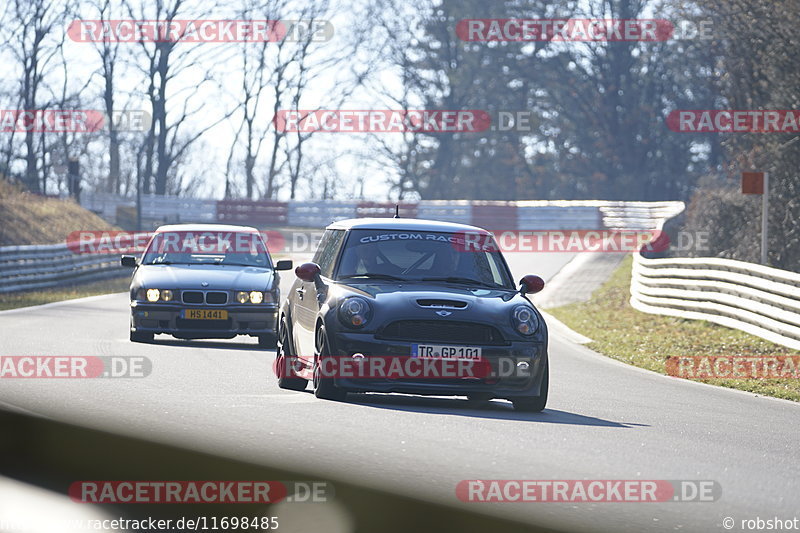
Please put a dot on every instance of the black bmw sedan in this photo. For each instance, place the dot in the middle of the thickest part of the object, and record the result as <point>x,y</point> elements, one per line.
<point>199,281</point>
<point>413,306</point>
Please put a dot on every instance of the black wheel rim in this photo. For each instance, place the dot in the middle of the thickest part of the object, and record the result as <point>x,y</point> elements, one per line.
<point>319,345</point>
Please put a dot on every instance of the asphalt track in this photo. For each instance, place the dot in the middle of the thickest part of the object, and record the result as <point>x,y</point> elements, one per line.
<point>604,420</point>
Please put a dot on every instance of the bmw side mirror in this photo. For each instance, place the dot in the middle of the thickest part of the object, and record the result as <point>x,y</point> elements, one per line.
<point>307,271</point>
<point>128,261</point>
<point>531,284</point>
<point>285,264</point>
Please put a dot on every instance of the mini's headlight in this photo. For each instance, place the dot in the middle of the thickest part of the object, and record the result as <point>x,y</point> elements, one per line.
<point>256,297</point>
<point>354,312</point>
<point>524,320</point>
<point>153,295</point>
<point>242,297</point>
<point>166,295</point>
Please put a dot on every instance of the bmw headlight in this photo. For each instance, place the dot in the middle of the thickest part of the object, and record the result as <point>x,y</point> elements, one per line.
<point>254,297</point>
<point>354,312</point>
<point>155,295</point>
<point>524,320</point>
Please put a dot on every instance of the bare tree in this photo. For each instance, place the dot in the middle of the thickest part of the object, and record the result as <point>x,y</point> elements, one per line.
<point>338,65</point>
<point>280,76</point>
<point>263,67</point>
<point>108,52</point>
<point>31,44</point>
<point>164,60</point>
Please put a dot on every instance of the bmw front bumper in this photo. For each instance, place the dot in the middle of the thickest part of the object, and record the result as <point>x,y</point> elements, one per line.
<point>255,320</point>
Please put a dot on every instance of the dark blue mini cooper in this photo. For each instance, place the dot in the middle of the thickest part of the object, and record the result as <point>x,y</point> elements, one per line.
<point>416,307</point>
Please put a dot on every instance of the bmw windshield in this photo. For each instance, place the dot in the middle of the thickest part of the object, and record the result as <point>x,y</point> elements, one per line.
<point>202,248</point>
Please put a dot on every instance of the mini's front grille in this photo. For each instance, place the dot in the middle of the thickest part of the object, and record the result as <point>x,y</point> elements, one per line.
<point>216,297</point>
<point>192,297</point>
<point>442,331</point>
<point>452,304</point>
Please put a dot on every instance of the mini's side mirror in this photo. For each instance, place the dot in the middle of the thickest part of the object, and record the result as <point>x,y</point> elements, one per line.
<point>531,284</point>
<point>285,264</point>
<point>128,261</point>
<point>307,271</point>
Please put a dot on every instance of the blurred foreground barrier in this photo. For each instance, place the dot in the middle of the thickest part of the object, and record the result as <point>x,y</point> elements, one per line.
<point>53,455</point>
<point>756,299</point>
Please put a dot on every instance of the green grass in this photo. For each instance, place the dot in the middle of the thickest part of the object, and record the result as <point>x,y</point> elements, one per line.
<point>644,340</point>
<point>27,298</point>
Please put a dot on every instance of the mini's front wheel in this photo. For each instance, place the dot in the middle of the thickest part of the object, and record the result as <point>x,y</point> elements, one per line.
<point>283,364</point>
<point>324,387</point>
<point>267,341</point>
<point>535,404</point>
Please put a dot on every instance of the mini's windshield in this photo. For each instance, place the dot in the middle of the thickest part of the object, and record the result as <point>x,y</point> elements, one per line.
<point>422,256</point>
<point>221,248</point>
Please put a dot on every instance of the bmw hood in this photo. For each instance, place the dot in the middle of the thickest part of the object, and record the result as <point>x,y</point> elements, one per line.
<point>217,277</point>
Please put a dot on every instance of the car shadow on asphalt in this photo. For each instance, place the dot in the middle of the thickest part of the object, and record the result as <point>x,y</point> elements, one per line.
<point>496,409</point>
<point>209,343</point>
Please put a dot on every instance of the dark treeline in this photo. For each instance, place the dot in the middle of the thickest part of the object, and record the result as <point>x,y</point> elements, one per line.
<point>598,112</point>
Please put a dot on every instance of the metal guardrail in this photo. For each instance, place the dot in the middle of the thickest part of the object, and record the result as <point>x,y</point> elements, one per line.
<point>639,215</point>
<point>175,209</point>
<point>319,213</point>
<point>529,214</point>
<point>760,300</point>
<point>51,265</point>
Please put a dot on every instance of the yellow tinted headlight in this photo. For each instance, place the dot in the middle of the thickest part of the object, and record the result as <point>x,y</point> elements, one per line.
<point>256,297</point>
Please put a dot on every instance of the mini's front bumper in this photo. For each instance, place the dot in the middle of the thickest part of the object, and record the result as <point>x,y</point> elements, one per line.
<point>246,319</point>
<point>508,380</point>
